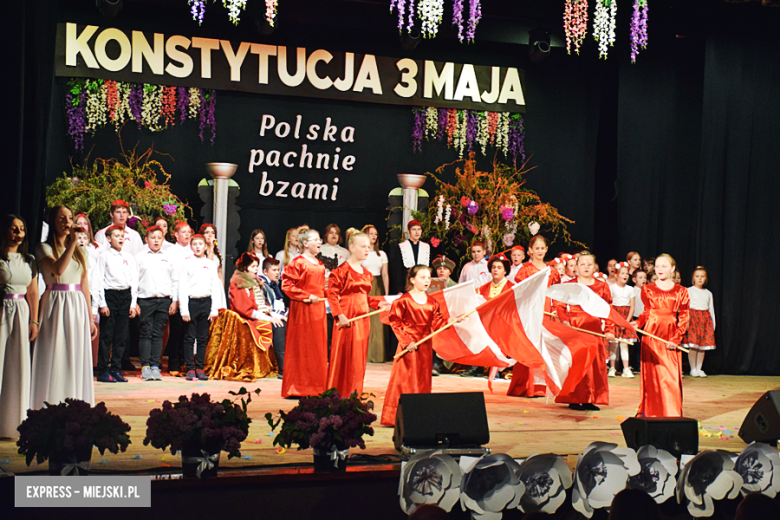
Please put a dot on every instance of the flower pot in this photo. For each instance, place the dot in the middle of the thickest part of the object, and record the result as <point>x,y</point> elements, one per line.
<point>199,463</point>
<point>70,463</point>
<point>330,459</point>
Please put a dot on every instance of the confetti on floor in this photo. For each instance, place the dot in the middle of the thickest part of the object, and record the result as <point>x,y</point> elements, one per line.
<point>5,461</point>
<point>280,450</point>
<point>246,457</point>
<point>619,418</point>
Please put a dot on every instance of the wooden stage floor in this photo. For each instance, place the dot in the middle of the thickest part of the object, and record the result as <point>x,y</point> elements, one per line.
<point>518,426</point>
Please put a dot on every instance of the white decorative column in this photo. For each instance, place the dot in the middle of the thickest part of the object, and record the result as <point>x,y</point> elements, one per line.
<point>221,172</point>
<point>410,182</point>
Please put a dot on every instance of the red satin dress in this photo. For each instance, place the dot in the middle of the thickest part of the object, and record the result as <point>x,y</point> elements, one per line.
<point>594,386</point>
<point>412,372</point>
<point>348,294</point>
<point>306,343</point>
<point>523,380</point>
<point>666,315</point>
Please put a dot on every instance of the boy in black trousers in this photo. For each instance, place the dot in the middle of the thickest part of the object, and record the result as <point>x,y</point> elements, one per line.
<point>117,276</point>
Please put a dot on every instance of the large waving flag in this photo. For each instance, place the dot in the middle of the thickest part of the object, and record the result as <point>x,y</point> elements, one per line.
<point>570,354</point>
<point>467,342</point>
<point>592,303</point>
<point>514,320</point>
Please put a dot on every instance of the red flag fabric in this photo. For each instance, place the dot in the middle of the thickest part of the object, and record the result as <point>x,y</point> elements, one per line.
<point>571,354</point>
<point>591,303</point>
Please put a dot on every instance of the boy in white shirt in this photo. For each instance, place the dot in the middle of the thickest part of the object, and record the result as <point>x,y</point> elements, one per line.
<point>117,276</point>
<point>157,298</point>
<point>198,282</point>
<point>477,269</point>
<point>120,212</point>
<point>179,252</point>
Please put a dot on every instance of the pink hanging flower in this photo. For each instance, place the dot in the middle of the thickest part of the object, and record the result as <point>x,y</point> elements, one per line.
<point>147,184</point>
<point>507,213</point>
<point>435,242</point>
<point>509,239</point>
<point>473,228</point>
<point>464,201</point>
<point>472,208</point>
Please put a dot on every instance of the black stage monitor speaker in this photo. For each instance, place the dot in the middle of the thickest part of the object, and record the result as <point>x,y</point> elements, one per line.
<point>677,435</point>
<point>762,423</point>
<point>441,421</point>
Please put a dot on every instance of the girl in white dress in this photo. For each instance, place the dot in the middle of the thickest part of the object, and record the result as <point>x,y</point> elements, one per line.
<point>62,354</point>
<point>18,280</point>
<point>209,231</point>
<point>259,246</point>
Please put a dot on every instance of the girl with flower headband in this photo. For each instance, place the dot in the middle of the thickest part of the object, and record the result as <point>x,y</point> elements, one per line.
<point>528,382</point>
<point>700,336</point>
<point>611,271</point>
<point>623,303</point>
<point>666,315</point>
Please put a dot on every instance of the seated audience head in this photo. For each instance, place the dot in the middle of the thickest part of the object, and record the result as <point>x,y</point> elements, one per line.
<point>633,504</point>
<point>756,506</point>
<point>429,512</point>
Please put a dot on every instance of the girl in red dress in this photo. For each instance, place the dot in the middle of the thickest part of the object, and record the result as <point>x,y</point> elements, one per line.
<point>348,288</point>
<point>412,317</point>
<point>666,316</point>
<point>525,381</point>
<point>306,348</point>
<point>593,389</point>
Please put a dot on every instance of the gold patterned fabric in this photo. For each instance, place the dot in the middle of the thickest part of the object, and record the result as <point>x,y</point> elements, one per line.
<point>234,355</point>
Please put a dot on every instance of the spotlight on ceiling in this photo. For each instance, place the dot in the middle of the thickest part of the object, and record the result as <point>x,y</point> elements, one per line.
<point>410,40</point>
<point>109,8</point>
<point>538,44</point>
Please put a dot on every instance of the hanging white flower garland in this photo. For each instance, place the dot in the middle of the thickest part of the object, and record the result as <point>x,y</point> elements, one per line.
<point>430,13</point>
<point>604,24</point>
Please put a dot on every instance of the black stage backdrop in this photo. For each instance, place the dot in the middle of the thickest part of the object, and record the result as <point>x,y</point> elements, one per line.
<point>698,162</point>
<point>674,154</point>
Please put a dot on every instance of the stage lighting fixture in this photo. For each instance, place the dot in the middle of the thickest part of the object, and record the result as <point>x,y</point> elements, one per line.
<point>109,8</point>
<point>410,40</point>
<point>538,44</point>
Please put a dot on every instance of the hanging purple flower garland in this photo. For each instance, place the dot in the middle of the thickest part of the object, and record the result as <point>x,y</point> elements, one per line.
<point>115,108</point>
<point>638,28</point>
<point>406,15</point>
<point>462,129</point>
<point>207,115</point>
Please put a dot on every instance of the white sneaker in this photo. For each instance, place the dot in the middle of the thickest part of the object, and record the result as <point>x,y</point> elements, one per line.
<point>701,373</point>
<point>627,373</point>
<point>694,373</point>
<point>611,372</point>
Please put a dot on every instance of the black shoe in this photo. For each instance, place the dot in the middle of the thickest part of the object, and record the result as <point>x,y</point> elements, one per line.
<point>577,407</point>
<point>435,372</point>
<point>590,406</point>
<point>118,377</point>
<point>201,375</point>
<point>191,375</point>
<point>471,372</point>
<point>105,377</point>
<point>279,376</point>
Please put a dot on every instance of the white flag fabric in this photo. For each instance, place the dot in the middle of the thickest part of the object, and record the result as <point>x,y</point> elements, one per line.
<point>592,303</point>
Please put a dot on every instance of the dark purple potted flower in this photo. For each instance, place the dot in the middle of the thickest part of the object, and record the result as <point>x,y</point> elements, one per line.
<point>65,434</point>
<point>328,423</point>
<point>200,429</point>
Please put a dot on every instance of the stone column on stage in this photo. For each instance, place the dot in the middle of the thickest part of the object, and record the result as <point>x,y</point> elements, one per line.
<point>410,182</point>
<point>221,172</point>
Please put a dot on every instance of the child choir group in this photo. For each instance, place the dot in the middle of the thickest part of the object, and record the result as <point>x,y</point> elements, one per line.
<point>46,343</point>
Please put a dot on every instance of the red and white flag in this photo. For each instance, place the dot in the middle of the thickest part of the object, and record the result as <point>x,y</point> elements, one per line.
<point>513,320</point>
<point>374,301</point>
<point>467,342</point>
<point>591,303</point>
<point>570,355</point>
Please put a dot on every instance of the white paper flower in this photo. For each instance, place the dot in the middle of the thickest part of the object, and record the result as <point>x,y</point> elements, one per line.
<point>708,476</point>
<point>546,479</point>
<point>533,227</point>
<point>602,472</point>
<point>429,478</point>
<point>656,477</point>
<point>491,486</point>
<point>759,467</point>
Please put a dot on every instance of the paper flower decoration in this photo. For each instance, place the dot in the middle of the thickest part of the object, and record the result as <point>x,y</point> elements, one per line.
<point>546,479</point>
<point>491,486</point>
<point>602,472</point>
<point>708,476</point>
<point>170,209</point>
<point>507,213</point>
<point>435,242</point>
<point>759,467</point>
<point>132,221</point>
<point>509,239</point>
<point>429,478</point>
<point>464,201</point>
<point>533,227</point>
<point>472,207</point>
<point>656,476</point>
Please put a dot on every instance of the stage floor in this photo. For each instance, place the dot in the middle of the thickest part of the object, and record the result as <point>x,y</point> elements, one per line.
<point>518,426</point>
